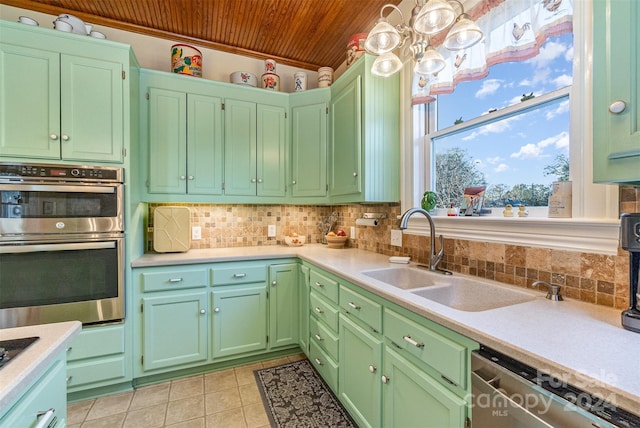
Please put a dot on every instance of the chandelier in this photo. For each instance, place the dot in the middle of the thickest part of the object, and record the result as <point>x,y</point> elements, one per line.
<point>427,19</point>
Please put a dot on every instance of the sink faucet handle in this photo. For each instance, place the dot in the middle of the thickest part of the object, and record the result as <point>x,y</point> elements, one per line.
<point>553,290</point>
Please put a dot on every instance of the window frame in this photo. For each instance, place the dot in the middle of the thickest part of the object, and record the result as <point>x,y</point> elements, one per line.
<point>594,226</point>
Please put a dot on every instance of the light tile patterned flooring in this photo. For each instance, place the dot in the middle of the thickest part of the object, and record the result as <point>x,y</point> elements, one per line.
<point>228,398</point>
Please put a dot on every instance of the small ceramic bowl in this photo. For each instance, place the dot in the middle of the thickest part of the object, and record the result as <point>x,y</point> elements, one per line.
<point>62,26</point>
<point>27,20</point>
<point>243,78</point>
<point>295,241</point>
<point>97,34</point>
<point>336,241</point>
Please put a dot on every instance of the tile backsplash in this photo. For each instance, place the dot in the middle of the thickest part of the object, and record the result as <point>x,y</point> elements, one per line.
<point>595,278</point>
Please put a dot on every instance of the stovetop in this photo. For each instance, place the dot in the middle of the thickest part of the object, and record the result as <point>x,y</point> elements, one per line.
<point>9,349</point>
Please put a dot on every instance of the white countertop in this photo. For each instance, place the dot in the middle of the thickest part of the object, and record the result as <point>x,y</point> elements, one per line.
<point>581,343</point>
<point>19,372</point>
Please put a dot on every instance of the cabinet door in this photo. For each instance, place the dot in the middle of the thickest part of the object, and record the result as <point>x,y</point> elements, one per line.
<point>346,138</point>
<point>240,148</point>
<point>309,150</point>
<point>29,102</point>
<point>168,141</point>
<point>303,308</point>
<point>174,330</point>
<point>271,151</point>
<point>92,109</point>
<point>239,319</point>
<point>283,305</point>
<point>204,145</point>
<point>414,399</point>
<point>616,70</point>
<point>359,379</point>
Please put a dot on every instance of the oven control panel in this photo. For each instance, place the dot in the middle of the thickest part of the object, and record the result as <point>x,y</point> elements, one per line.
<point>25,171</point>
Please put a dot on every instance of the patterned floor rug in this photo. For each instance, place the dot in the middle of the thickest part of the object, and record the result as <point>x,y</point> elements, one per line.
<point>295,396</point>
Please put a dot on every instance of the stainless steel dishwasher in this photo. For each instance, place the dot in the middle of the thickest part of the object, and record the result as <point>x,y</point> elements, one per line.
<point>510,394</point>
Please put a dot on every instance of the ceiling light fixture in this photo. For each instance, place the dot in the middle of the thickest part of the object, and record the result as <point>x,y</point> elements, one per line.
<point>427,19</point>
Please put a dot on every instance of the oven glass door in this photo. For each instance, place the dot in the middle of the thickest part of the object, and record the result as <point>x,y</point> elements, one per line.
<point>51,282</point>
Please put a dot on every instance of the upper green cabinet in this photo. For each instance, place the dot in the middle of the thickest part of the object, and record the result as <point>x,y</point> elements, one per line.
<point>255,149</point>
<point>62,98</point>
<point>364,144</point>
<point>186,130</point>
<point>616,91</point>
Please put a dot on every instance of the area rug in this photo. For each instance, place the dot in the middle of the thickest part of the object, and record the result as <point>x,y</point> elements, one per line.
<point>295,396</point>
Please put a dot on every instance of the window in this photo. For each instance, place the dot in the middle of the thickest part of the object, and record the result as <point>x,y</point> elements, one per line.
<point>593,226</point>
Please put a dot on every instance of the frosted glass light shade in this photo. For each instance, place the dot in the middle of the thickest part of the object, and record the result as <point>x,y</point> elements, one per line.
<point>386,65</point>
<point>435,16</point>
<point>430,63</point>
<point>465,33</point>
<point>382,38</point>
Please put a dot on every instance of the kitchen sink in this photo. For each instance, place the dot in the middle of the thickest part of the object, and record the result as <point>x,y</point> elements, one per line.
<point>407,278</point>
<point>473,296</point>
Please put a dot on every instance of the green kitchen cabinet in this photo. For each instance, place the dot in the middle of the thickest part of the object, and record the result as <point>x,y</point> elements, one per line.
<point>309,128</point>
<point>283,305</point>
<point>359,378</point>
<point>239,319</point>
<point>175,330</point>
<point>364,143</point>
<point>255,145</point>
<point>303,307</point>
<point>187,135</point>
<point>616,91</point>
<point>412,398</point>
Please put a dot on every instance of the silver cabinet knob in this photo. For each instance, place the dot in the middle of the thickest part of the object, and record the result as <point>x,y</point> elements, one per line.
<point>372,368</point>
<point>202,311</point>
<point>617,107</point>
<point>259,180</point>
<point>253,180</point>
<point>293,182</point>
<point>318,310</point>
<point>385,379</point>
<point>182,177</point>
<point>69,378</point>
<point>216,310</point>
<point>317,336</point>
<point>355,174</point>
<point>53,136</point>
<point>191,177</point>
<point>65,137</point>
<point>353,306</point>
<point>318,362</point>
<point>273,282</point>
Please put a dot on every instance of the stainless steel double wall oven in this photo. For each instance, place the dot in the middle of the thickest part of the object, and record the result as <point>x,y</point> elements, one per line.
<point>61,244</point>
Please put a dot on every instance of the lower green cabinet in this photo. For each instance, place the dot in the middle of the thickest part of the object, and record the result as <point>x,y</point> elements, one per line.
<point>283,305</point>
<point>412,398</point>
<point>239,319</point>
<point>359,383</point>
<point>175,330</point>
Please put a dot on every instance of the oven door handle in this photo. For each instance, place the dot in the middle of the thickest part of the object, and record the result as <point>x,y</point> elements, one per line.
<point>78,188</point>
<point>66,246</point>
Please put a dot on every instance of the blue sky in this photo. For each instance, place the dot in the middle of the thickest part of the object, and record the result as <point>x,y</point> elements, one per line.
<point>514,150</point>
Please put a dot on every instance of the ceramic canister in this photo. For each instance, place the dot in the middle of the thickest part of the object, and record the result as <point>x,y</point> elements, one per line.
<point>325,77</point>
<point>269,65</point>
<point>300,81</point>
<point>186,59</point>
<point>271,81</point>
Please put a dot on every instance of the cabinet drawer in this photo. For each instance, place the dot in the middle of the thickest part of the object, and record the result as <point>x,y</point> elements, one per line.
<point>97,341</point>
<point>324,337</point>
<point>324,285</point>
<point>324,311</point>
<point>366,310</point>
<point>444,355</point>
<point>175,279</point>
<point>327,368</point>
<point>85,372</point>
<point>238,275</point>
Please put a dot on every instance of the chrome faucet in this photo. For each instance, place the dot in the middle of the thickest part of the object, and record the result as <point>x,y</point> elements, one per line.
<point>434,258</point>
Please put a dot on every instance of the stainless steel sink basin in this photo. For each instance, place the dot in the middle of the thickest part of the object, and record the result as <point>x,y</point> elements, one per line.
<point>407,278</point>
<point>473,296</point>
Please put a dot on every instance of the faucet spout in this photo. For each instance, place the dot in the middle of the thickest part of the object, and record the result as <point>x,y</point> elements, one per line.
<point>434,257</point>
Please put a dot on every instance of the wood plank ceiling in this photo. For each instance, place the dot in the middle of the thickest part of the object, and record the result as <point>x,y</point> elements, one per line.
<point>301,33</point>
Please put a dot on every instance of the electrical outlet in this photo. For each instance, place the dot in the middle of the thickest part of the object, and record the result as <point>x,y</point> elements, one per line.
<point>352,232</point>
<point>271,231</point>
<point>396,237</point>
<point>196,233</point>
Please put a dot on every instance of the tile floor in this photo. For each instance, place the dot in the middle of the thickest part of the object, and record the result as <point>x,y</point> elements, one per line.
<point>228,398</point>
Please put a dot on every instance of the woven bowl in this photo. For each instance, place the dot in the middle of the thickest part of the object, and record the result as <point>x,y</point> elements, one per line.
<point>336,241</point>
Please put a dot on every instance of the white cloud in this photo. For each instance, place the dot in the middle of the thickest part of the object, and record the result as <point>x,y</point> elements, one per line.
<point>568,55</point>
<point>548,53</point>
<point>563,80</point>
<point>501,168</point>
<point>492,128</point>
<point>533,151</point>
<point>528,151</point>
<point>489,87</point>
<point>494,160</point>
<point>563,107</point>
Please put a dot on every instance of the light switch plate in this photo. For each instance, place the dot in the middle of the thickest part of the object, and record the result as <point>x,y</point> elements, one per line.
<point>196,233</point>
<point>352,232</point>
<point>271,231</point>
<point>396,237</point>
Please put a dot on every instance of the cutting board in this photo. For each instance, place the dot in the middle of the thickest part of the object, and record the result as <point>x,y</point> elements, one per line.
<point>171,229</point>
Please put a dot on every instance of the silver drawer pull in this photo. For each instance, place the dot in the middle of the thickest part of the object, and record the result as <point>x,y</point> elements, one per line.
<point>318,362</point>
<point>319,284</point>
<point>239,275</point>
<point>46,418</point>
<point>172,280</point>
<point>69,379</point>
<point>354,306</point>
<point>318,310</point>
<point>372,368</point>
<point>317,336</point>
<point>385,379</point>
<point>413,342</point>
<point>70,348</point>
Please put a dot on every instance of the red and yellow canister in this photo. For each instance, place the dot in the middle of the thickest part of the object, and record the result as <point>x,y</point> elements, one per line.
<point>186,59</point>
